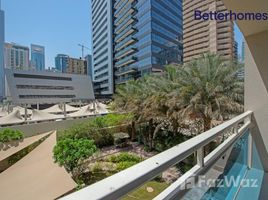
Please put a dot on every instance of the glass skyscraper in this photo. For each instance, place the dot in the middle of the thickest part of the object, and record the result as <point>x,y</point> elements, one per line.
<point>2,43</point>
<point>147,36</point>
<point>61,63</point>
<point>88,59</point>
<point>38,57</point>
<point>133,38</point>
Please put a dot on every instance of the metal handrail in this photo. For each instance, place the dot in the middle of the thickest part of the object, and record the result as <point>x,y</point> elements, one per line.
<point>118,185</point>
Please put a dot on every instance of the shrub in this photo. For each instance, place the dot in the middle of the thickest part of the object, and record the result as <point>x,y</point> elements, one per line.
<point>96,129</point>
<point>124,165</point>
<point>97,168</point>
<point>125,157</point>
<point>69,152</point>
<point>8,135</point>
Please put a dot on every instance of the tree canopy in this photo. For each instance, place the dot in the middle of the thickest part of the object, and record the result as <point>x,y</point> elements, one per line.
<point>204,89</point>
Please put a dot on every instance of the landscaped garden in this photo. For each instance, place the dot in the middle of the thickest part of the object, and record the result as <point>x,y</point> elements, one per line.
<point>155,112</point>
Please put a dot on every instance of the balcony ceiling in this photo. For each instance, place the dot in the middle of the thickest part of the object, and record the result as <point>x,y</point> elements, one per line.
<point>256,6</point>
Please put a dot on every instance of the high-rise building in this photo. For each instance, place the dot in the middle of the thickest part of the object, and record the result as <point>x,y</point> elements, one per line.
<point>202,36</point>
<point>16,56</point>
<point>66,64</point>
<point>243,52</point>
<point>102,42</point>
<point>88,59</point>
<point>76,66</point>
<point>37,57</point>
<point>61,63</point>
<point>2,44</point>
<point>148,35</point>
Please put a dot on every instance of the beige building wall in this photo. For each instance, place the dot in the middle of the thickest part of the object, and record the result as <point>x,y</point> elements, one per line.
<point>76,66</point>
<point>206,36</point>
<point>256,67</point>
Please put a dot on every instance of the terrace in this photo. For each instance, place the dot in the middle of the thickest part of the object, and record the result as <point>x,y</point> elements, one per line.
<point>242,154</point>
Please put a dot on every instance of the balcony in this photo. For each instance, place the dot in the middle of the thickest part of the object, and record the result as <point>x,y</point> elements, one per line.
<point>124,43</point>
<point>122,80</point>
<point>129,10</point>
<point>129,20</point>
<point>120,8</point>
<point>129,30</point>
<point>126,61</point>
<point>125,70</point>
<point>239,141</point>
<point>128,50</point>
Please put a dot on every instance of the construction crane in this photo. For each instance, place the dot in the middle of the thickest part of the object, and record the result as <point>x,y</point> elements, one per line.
<point>83,48</point>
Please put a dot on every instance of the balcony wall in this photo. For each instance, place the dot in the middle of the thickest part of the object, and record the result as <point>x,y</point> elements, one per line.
<point>256,80</point>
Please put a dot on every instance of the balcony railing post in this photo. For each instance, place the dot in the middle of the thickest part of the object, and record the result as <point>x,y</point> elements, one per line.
<point>236,129</point>
<point>200,157</point>
<point>250,150</point>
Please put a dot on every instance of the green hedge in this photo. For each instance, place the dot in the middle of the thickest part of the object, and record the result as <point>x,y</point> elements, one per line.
<point>124,160</point>
<point>8,135</point>
<point>96,129</point>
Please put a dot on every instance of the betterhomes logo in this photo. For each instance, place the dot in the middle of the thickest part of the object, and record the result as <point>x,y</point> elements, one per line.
<point>230,15</point>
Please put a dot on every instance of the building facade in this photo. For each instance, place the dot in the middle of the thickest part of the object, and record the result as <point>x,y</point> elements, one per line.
<point>37,57</point>
<point>147,36</point>
<point>202,36</point>
<point>88,59</point>
<point>16,56</point>
<point>41,87</point>
<point>102,43</point>
<point>61,63</point>
<point>76,66</point>
<point>2,63</point>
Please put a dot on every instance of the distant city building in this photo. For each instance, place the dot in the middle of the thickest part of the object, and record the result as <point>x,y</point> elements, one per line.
<point>16,56</point>
<point>88,59</point>
<point>102,40</point>
<point>243,52</point>
<point>148,35</point>
<point>43,87</point>
<point>66,64</point>
<point>2,63</point>
<point>76,66</point>
<point>202,36</point>
<point>37,57</point>
<point>61,63</point>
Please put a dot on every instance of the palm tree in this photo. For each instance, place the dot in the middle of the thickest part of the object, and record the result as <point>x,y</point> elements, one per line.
<point>209,90</point>
<point>205,89</point>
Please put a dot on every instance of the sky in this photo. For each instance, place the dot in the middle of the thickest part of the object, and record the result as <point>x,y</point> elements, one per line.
<point>59,25</point>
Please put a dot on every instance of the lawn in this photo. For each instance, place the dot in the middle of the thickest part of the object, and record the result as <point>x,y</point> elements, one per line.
<point>143,194</point>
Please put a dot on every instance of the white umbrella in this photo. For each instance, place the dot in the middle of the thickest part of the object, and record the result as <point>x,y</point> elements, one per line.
<point>12,118</point>
<point>42,116</point>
